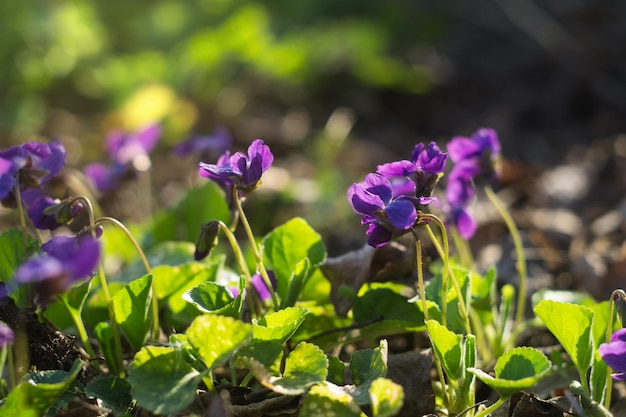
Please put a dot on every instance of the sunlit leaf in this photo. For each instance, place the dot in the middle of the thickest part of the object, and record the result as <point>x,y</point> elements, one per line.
<point>216,337</point>
<point>516,370</point>
<point>571,324</point>
<point>449,348</point>
<point>280,325</point>
<point>386,397</point>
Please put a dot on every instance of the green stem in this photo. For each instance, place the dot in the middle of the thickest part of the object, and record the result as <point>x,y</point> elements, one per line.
<point>444,253</point>
<point>520,264</point>
<point>420,274</point>
<point>82,333</point>
<point>117,341</point>
<point>255,249</point>
<point>243,267</point>
<point>609,332</point>
<point>20,212</point>
<point>155,302</point>
<point>492,407</point>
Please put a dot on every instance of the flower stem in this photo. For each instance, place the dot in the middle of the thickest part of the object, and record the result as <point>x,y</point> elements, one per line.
<point>155,302</point>
<point>20,212</point>
<point>420,274</point>
<point>609,332</point>
<point>241,262</point>
<point>258,255</point>
<point>491,408</point>
<point>117,342</point>
<point>82,332</point>
<point>520,264</point>
<point>447,268</point>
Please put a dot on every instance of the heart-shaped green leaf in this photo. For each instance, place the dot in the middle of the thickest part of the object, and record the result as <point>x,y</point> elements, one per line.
<point>366,365</point>
<point>386,397</point>
<point>161,380</point>
<point>114,393</point>
<point>571,324</point>
<point>37,392</point>
<point>516,370</point>
<point>305,366</point>
<point>263,357</point>
<point>289,244</point>
<point>211,297</point>
<point>132,310</point>
<point>280,325</point>
<point>217,337</point>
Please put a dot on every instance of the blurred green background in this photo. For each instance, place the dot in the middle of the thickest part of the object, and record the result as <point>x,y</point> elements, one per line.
<point>334,87</point>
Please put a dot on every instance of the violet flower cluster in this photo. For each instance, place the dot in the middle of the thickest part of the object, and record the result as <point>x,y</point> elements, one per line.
<point>475,160</point>
<point>390,199</point>
<point>32,163</point>
<point>241,172</point>
<point>126,151</point>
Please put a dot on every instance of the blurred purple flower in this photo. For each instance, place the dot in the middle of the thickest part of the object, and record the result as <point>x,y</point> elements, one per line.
<point>475,159</point>
<point>67,260</point>
<point>7,337</point>
<point>36,163</point>
<point>49,214</point>
<point>125,150</point>
<point>614,354</point>
<point>423,170</point>
<point>217,143</point>
<point>384,216</point>
<point>239,170</point>
<point>259,286</point>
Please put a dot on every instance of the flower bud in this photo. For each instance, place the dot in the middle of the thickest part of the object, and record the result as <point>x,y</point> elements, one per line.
<point>207,240</point>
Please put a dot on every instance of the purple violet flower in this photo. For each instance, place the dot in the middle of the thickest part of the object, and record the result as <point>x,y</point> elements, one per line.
<point>49,214</point>
<point>384,216</point>
<point>614,354</point>
<point>36,163</point>
<point>7,337</point>
<point>217,143</point>
<point>475,159</point>
<point>259,286</point>
<point>239,170</point>
<point>423,171</point>
<point>67,260</point>
<point>125,150</point>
